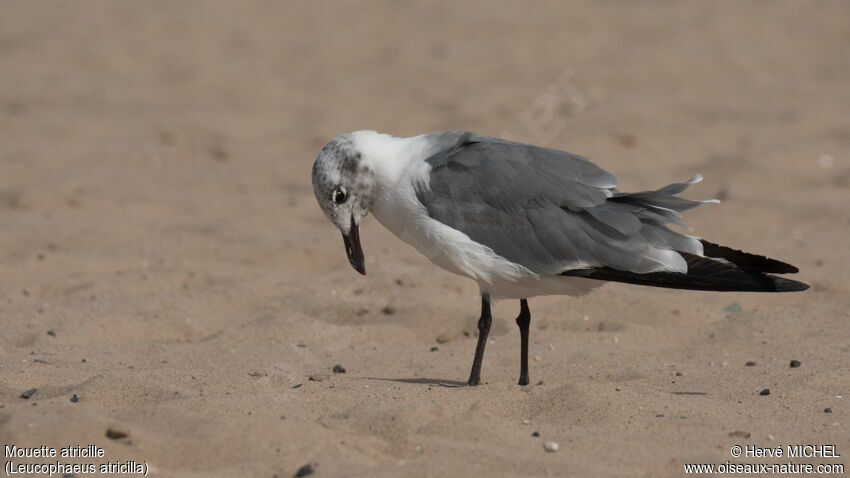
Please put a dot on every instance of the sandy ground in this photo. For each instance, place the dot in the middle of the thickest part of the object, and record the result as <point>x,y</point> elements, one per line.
<point>162,256</point>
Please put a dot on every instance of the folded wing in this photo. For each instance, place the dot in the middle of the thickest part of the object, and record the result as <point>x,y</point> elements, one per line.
<point>552,211</point>
<point>557,213</point>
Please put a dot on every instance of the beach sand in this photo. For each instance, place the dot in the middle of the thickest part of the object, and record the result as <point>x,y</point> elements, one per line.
<point>162,256</point>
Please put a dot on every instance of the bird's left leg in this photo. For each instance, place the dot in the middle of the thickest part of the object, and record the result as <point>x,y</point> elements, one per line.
<point>483,331</point>
<point>523,321</point>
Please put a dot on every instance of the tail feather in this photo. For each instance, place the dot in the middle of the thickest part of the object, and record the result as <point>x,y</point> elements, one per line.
<point>704,273</point>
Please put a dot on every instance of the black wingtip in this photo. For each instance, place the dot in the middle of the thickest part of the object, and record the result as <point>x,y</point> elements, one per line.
<point>704,273</point>
<point>747,261</point>
<point>787,285</point>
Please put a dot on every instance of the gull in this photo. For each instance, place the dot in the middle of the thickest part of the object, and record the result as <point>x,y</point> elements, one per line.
<point>523,221</point>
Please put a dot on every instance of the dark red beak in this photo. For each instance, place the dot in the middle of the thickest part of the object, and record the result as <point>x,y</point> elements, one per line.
<point>353,248</point>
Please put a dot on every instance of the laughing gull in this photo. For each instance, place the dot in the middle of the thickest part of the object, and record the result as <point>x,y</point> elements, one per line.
<point>523,221</point>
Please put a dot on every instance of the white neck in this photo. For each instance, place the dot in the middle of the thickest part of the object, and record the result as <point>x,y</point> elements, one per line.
<point>388,156</point>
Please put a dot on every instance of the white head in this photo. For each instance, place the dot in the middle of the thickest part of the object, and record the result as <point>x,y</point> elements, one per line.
<point>345,188</point>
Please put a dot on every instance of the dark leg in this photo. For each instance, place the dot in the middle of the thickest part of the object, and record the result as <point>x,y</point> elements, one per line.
<point>483,330</point>
<point>523,320</point>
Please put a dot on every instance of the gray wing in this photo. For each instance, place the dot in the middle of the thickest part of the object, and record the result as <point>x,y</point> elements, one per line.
<point>552,211</point>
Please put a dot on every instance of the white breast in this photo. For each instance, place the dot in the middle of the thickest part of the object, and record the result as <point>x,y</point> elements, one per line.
<point>400,212</point>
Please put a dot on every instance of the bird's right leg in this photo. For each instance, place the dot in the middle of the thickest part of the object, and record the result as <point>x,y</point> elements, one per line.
<point>523,321</point>
<point>483,331</point>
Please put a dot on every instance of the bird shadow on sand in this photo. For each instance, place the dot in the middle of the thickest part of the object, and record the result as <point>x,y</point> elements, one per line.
<point>424,381</point>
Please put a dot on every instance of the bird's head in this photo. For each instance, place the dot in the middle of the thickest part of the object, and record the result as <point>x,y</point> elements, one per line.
<point>345,189</point>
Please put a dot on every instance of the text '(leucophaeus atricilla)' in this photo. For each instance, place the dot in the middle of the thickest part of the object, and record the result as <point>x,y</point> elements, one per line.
<point>523,221</point>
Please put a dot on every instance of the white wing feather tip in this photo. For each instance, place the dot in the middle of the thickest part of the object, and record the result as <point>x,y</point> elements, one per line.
<point>697,179</point>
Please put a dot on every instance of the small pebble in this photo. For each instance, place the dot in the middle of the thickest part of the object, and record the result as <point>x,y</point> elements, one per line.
<point>75,398</point>
<point>115,433</point>
<point>550,446</point>
<point>305,470</point>
<point>794,363</point>
<point>388,309</point>
<point>827,410</point>
<point>442,339</point>
<point>526,422</point>
<point>766,391</point>
<point>536,358</point>
<point>51,333</point>
<point>339,368</point>
<point>316,378</point>
<point>678,374</point>
<point>29,393</point>
<point>535,434</point>
<point>740,434</point>
<point>750,364</point>
<point>435,348</point>
<point>297,386</point>
<point>733,308</point>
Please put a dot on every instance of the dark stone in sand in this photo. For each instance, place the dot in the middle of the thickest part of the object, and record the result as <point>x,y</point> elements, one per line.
<point>75,398</point>
<point>305,470</point>
<point>339,368</point>
<point>827,410</point>
<point>29,393</point>
<point>116,433</point>
<point>794,364</point>
<point>766,391</point>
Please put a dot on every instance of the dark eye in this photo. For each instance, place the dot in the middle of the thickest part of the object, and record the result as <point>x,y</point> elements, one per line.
<point>339,196</point>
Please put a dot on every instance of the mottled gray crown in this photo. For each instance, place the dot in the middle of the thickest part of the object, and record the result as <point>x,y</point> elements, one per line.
<point>336,160</point>
<point>340,165</point>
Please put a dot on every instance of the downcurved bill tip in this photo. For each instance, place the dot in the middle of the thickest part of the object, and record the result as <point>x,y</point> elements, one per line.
<point>353,248</point>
